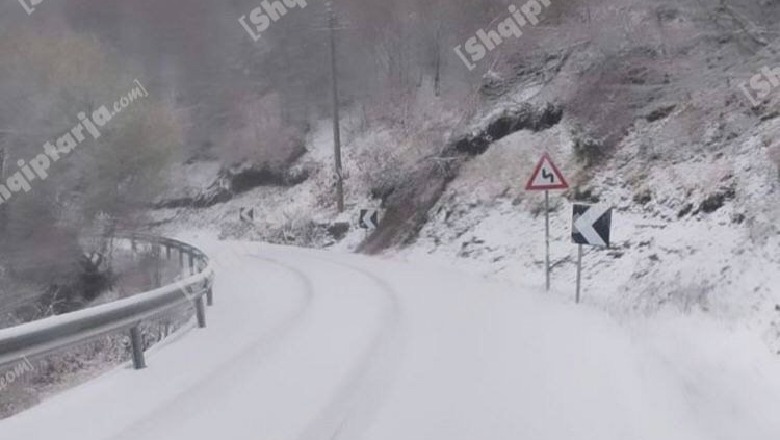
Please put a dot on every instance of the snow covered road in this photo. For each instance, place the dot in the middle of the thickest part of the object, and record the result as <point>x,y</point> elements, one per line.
<point>305,345</point>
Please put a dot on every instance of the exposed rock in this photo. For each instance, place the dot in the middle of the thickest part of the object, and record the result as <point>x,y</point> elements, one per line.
<point>233,182</point>
<point>248,178</point>
<point>643,197</point>
<point>217,192</point>
<point>685,210</point>
<point>507,122</point>
<point>659,113</point>
<point>338,230</point>
<point>716,200</point>
<point>585,195</point>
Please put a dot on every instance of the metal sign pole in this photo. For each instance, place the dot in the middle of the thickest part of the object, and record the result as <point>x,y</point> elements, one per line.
<point>546,176</point>
<point>579,272</point>
<point>547,238</point>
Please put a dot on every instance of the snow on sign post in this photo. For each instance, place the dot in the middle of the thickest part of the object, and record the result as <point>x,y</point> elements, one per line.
<point>546,176</point>
<point>591,225</point>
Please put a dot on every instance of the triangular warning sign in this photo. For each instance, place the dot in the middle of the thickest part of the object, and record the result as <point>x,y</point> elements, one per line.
<point>546,176</point>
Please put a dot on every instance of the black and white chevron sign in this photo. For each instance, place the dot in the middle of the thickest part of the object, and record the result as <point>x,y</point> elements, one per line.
<point>246,215</point>
<point>369,219</point>
<point>591,224</point>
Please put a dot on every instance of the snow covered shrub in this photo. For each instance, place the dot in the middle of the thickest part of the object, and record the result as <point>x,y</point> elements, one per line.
<point>381,166</point>
<point>298,229</point>
<point>587,149</point>
<point>413,130</point>
<point>495,173</point>
<point>259,136</point>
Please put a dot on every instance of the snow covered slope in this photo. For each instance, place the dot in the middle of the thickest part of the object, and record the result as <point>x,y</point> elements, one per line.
<point>308,345</point>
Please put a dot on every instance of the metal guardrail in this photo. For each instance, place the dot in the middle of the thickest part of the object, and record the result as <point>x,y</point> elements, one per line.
<point>45,336</point>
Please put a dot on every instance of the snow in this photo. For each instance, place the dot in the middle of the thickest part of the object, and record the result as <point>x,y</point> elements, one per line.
<point>486,224</point>
<point>675,339</point>
<point>311,345</point>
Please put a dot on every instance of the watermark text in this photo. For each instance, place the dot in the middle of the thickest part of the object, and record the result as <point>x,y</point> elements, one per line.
<point>29,5</point>
<point>761,85</point>
<point>268,12</point>
<point>52,151</point>
<point>478,46</point>
<point>12,374</point>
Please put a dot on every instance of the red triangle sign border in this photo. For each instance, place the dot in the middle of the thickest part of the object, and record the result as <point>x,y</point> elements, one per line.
<point>562,185</point>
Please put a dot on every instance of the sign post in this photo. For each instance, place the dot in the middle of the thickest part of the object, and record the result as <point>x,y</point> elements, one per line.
<point>547,239</point>
<point>579,272</point>
<point>546,176</point>
<point>591,225</point>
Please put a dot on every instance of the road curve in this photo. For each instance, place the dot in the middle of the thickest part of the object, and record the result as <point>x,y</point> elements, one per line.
<point>288,350</point>
<point>306,345</point>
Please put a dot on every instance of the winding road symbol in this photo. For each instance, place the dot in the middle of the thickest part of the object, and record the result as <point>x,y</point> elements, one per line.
<point>546,176</point>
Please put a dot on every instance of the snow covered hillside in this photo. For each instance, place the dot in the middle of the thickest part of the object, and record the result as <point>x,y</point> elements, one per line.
<point>691,166</point>
<point>693,231</point>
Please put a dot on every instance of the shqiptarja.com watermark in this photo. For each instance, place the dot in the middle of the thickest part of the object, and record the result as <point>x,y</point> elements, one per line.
<point>14,373</point>
<point>760,85</point>
<point>478,46</point>
<point>268,12</point>
<point>29,5</point>
<point>37,167</point>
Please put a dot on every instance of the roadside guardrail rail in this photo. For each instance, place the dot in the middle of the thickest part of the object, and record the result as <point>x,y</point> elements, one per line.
<point>37,339</point>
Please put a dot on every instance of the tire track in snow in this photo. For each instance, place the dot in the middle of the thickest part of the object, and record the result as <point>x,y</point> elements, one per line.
<point>357,397</point>
<point>266,342</point>
<point>286,327</point>
<point>360,394</point>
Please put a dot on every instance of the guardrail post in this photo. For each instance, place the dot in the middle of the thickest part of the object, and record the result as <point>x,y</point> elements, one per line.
<point>156,254</point>
<point>210,297</point>
<point>200,311</point>
<point>139,360</point>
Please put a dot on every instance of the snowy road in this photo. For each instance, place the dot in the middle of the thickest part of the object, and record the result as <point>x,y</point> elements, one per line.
<point>304,345</point>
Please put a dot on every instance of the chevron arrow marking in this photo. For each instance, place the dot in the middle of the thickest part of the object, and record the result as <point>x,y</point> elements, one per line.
<point>584,224</point>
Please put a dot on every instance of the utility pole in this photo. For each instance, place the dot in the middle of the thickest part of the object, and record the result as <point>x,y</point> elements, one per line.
<point>437,74</point>
<point>4,208</point>
<point>336,123</point>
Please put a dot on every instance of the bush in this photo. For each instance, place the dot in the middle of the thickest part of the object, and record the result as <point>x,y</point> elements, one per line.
<point>588,150</point>
<point>260,136</point>
<point>48,79</point>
